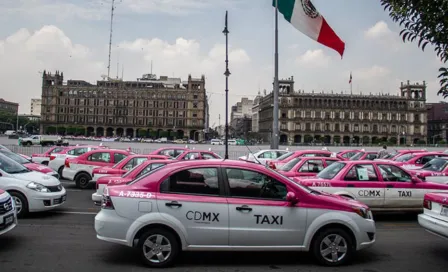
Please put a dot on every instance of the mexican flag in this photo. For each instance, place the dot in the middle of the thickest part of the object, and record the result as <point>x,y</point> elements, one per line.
<point>304,17</point>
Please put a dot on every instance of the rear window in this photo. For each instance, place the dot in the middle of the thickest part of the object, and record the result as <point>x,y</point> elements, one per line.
<point>290,165</point>
<point>331,171</point>
<point>285,156</point>
<point>145,175</point>
<point>405,158</point>
<point>357,156</point>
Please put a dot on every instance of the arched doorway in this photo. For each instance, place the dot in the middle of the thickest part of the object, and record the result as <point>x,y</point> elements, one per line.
<point>90,131</point>
<point>327,139</point>
<point>346,140</point>
<point>308,139</point>
<point>129,132</point>
<point>120,132</point>
<point>109,132</point>
<point>100,132</point>
<point>337,139</point>
<point>356,140</point>
<point>180,134</point>
<point>283,139</point>
<point>297,139</point>
<point>194,135</point>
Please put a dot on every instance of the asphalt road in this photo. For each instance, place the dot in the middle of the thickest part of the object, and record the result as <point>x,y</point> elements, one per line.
<point>64,240</point>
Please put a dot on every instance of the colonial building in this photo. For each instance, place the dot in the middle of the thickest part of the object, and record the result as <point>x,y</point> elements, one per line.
<point>147,107</point>
<point>437,122</point>
<point>347,118</point>
<point>8,107</point>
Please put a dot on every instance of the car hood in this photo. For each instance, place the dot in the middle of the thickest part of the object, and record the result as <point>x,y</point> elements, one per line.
<point>38,167</point>
<point>38,177</point>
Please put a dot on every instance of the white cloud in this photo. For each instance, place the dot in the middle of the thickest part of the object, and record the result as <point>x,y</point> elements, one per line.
<point>381,34</point>
<point>315,58</point>
<point>26,53</point>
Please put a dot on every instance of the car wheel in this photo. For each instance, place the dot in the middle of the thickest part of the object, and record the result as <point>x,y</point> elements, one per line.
<point>333,247</point>
<point>60,170</point>
<point>158,248</point>
<point>21,203</point>
<point>82,181</point>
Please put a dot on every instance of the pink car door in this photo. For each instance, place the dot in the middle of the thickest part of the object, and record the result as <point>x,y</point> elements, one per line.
<point>363,182</point>
<point>401,192</point>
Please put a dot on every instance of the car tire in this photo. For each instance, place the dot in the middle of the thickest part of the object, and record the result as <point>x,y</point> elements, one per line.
<point>167,239</point>
<point>325,244</point>
<point>21,203</point>
<point>60,170</point>
<point>82,180</point>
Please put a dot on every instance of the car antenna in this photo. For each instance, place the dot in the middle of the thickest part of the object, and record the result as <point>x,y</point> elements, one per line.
<point>250,152</point>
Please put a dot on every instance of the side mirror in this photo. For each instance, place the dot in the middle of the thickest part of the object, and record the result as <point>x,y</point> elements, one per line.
<point>291,198</point>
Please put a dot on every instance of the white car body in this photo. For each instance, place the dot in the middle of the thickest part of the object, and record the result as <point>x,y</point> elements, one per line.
<point>263,156</point>
<point>8,216</point>
<point>59,159</point>
<point>37,200</point>
<point>216,142</point>
<point>434,218</point>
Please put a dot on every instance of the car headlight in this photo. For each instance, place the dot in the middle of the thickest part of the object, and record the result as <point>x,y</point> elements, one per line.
<point>37,187</point>
<point>363,212</point>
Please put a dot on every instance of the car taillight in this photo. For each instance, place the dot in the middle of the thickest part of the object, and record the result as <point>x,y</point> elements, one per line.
<point>52,157</point>
<point>106,202</point>
<point>66,163</point>
<point>427,204</point>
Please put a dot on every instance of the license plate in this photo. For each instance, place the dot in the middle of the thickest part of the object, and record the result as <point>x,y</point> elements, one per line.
<point>444,211</point>
<point>9,220</point>
<point>64,198</point>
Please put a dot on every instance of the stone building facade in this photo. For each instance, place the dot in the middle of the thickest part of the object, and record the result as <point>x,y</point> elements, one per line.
<point>333,118</point>
<point>437,122</point>
<point>9,107</point>
<point>148,107</point>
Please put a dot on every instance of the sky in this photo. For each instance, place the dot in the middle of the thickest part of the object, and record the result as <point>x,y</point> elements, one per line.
<point>182,37</point>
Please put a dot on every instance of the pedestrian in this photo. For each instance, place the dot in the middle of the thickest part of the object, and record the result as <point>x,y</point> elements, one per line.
<point>383,152</point>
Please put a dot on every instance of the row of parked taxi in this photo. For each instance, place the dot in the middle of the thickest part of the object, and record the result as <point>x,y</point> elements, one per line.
<point>176,199</point>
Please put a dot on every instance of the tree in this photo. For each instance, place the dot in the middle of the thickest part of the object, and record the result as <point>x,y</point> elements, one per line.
<point>424,21</point>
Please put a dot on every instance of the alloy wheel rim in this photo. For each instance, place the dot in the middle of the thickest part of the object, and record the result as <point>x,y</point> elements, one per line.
<point>333,248</point>
<point>157,248</point>
<point>18,204</point>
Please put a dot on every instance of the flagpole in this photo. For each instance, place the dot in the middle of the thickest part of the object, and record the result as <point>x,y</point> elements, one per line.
<point>274,138</point>
<point>227,74</point>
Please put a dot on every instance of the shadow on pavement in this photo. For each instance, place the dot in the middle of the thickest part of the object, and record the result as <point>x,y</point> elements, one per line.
<point>395,217</point>
<point>274,260</point>
<point>9,242</point>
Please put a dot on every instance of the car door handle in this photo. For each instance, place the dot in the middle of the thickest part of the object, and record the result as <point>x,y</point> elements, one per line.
<point>350,185</point>
<point>243,208</point>
<point>173,204</point>
<point>389,186</point>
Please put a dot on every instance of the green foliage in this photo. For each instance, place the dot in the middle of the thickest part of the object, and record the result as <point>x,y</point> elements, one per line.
<point>426,22</point>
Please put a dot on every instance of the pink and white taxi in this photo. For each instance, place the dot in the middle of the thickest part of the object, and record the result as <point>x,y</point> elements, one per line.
<point>274,164</point>
<point>397,153</point>
<point>305,166</point>
<point>44,158</point>
<point>31,191</point>
<point>80,169</point>
<point>436,170</point>
<point>8,217</point>
<point>413,161</point>
<point>134,173</point>
<point>30,165</point>
<point>434,218</point>
<point>169,151</point>
<point>124,166</point>
<point>382,185</point>
<point>211,205</point>
<point>57,159</point>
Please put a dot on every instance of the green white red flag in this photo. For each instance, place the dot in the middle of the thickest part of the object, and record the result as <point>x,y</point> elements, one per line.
<point>304,17</point>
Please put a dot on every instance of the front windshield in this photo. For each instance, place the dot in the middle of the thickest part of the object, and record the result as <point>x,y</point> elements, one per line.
<point>10,166</point>
<point>405,158</point>
<point>288,166</point>
<point>331,171</point>
<point>357,156</point>
<point>15,157</point>
<point>436,165</point>
<point>285,156</point>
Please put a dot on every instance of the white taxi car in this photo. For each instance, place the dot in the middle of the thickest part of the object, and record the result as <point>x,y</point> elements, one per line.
<point>57,160</point>
<point>263,156</point>
<point>31,191</point>
<point>230,205</point>
<point>8,218</point>
<point>434,218</point>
